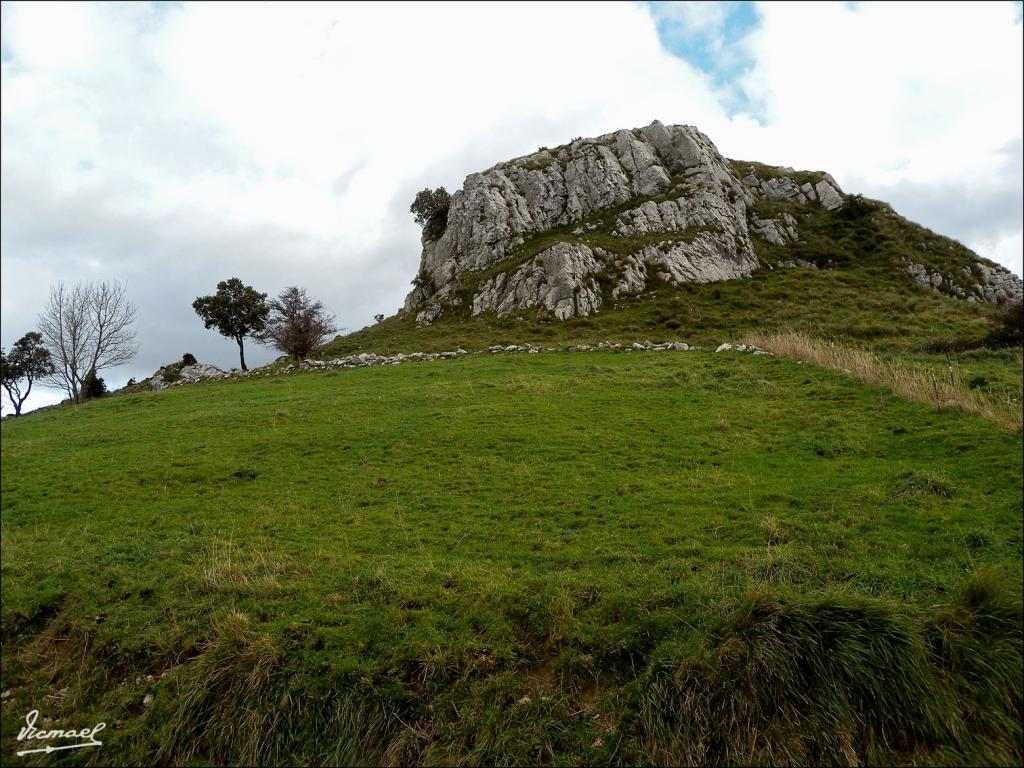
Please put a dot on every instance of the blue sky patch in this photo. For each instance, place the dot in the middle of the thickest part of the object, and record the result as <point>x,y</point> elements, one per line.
<point>707,35</point>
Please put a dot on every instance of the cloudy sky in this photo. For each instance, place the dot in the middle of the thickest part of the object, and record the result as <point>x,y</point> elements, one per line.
<point>173,145</point>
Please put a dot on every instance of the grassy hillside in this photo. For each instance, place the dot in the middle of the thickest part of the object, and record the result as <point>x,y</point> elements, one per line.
<point>574,558</point>
<point>845,303</point>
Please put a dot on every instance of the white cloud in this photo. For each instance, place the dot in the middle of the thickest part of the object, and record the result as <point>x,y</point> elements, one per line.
<point>895,100</point>
<point>174,146</point>
<point>62,39</point>
<point>900,91</point>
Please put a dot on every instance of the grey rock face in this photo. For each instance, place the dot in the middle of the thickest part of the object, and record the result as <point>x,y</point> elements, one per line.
<point>919,274</point>
<point>559,279</point>
<point>172,375</point>
<point>661,197</point>
<point>828,196</point>
<point>785,188</point>
<point>707,259</point>
<point>796,264</point>
<point>780,230</point>
<point>988,283</point>
<point>428,315</point>
<point>996,284</point>
<point>200,371</point>
<point>500,209</point>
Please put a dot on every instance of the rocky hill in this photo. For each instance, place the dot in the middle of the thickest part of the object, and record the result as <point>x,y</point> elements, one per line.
<point>566,230</point>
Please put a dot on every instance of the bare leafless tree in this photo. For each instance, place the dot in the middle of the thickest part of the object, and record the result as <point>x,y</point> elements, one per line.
<point>87,328</point>
<point>297,324</point>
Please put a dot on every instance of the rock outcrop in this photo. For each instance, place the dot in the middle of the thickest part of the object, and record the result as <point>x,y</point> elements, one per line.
<point>564,229</point>
<point>660,201</point>
<point>560,279</point>
<point>177,373</point>
<point>971,282</point>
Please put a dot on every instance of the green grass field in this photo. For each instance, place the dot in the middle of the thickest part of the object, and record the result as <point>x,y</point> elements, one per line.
<point>570,558</point>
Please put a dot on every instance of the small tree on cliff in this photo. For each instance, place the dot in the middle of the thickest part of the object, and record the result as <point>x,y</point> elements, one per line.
<point>430,211</point>
<point>297,323</point>
<point>236,310</point>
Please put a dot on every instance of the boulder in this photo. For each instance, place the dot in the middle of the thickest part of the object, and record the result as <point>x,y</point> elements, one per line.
<point>829,198</point>
<point>428,315</point>
<point>173,374</point>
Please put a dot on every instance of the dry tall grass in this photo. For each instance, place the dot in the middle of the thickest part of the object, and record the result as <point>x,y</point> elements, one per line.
<point>251,571</point>
<point>941,387</point>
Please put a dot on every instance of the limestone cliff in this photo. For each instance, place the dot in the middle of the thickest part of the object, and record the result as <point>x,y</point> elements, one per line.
<point>565,229</point>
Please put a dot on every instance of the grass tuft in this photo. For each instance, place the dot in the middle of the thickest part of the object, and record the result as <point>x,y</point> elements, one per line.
<point>845,681</point>
<point>251,572</point>
<point>924,484</point>
<point>228,705</point>
<point>240,703</point>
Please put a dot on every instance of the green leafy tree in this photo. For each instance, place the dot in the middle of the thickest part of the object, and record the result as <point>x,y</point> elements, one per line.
<point>236,310</point>
<point>94,386</point>
<point>29,360</point>
<point>430,211</point>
